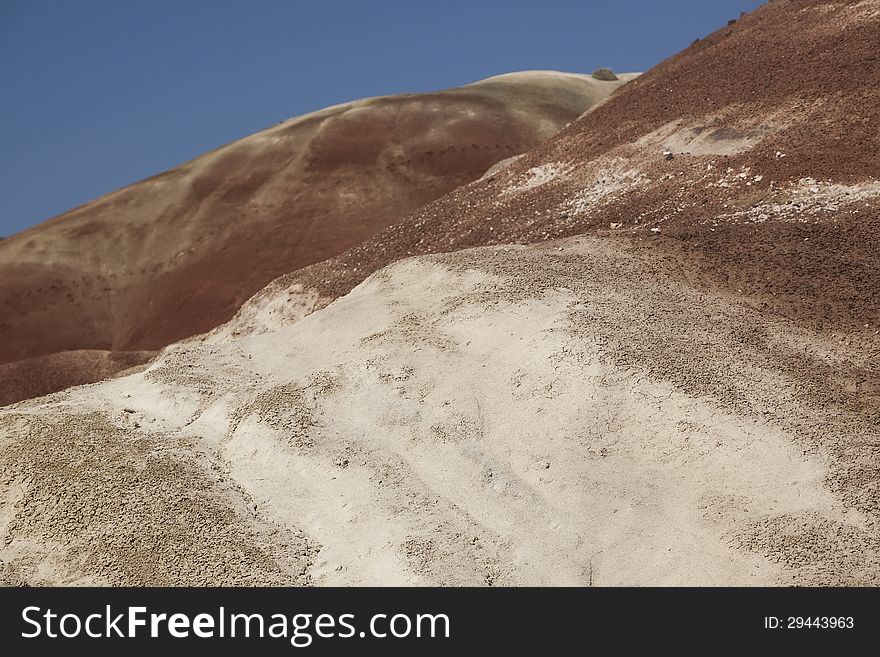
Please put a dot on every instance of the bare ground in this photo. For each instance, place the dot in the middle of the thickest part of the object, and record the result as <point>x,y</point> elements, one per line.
<point>507,415</point>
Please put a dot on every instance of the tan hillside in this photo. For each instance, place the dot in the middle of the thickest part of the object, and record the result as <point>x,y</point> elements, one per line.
<point>178,253</point>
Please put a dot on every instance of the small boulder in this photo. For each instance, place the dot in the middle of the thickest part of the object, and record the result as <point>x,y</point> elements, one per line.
<point>605,74</point>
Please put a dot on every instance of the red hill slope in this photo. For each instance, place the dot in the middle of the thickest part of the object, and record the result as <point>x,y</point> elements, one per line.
<point>752,158</point>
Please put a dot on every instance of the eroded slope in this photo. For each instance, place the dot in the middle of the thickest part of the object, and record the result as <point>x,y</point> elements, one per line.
<point>177,254</point>
<point>541,415</point>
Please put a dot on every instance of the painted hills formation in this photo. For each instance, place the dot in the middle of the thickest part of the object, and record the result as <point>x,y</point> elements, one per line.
<point>100,288</point>
<point>645,352</point>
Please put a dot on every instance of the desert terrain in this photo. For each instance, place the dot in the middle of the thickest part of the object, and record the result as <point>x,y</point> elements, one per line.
<point>643,353</point>
<point>96,289</point>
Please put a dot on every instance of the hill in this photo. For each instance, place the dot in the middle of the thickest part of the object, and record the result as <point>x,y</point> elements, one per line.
<point>643,353</point>
<point>177,254</point>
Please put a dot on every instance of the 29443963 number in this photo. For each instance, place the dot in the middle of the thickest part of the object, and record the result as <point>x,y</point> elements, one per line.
<point>821,622</point>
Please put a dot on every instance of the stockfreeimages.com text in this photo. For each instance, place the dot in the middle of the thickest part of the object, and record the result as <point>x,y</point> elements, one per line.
<point>299,629</point>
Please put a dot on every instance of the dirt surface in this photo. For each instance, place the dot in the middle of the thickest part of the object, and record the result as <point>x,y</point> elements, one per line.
<point>41,375</point>
<point>571,413</point>
<point>118,506</point>
<point>178,253</point>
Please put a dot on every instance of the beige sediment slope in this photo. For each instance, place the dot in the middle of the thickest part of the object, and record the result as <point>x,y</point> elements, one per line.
<point>559,414</point>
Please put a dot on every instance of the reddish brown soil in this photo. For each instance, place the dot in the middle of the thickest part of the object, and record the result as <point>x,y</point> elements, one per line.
<point>824,275</point>
<point>41,375</point>
<point>177,254</point>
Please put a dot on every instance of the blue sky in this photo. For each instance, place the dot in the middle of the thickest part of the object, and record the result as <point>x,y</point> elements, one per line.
<point>97,94</point>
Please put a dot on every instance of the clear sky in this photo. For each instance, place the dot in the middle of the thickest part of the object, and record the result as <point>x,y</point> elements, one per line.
<point>97,94</point>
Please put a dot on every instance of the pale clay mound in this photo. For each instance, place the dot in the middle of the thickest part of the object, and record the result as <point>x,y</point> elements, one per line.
<point>507,416</point>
